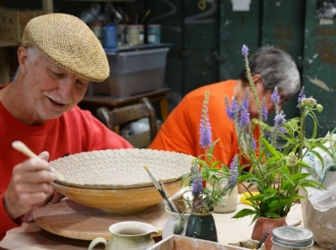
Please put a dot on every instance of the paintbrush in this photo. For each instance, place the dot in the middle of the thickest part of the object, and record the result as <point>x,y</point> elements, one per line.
<point>165,190</point>
<point>263,239</point>
<point>145,16</point>
<point>21,147</point>
<point>156,184</point>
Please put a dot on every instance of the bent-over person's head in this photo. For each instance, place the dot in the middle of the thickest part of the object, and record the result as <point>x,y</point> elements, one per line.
<point>58,57</point>
<point>274,68</point>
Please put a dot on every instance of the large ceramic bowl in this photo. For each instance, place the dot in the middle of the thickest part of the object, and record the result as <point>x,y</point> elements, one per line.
<point>116,180</point>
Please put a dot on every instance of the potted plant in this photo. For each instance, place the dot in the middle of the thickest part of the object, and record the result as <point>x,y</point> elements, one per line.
<point>274,168</point>
<point>220,178</point>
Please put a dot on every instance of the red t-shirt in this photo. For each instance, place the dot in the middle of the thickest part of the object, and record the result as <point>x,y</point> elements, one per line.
<point>74,132</point>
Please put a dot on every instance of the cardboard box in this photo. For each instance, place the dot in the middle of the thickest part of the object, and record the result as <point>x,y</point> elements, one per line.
<point>132,73</point>
<point>13,22</point>
<point>176,242</point>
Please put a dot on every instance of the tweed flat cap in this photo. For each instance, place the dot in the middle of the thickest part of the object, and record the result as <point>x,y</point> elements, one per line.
<point>68,42</point>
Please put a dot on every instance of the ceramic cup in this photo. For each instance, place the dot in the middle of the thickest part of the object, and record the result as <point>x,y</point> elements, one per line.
<point>173,219</point>
<point>127,235</point>
<point>231,202</point>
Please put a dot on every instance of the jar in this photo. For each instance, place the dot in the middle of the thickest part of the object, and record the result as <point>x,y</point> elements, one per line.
<point>132,34</point>
<point>141,34</point>
<point>154,34</point>
<point>121,34</point>
<point>97,29</point>
<point>110,39</point>
<point>292,238</point>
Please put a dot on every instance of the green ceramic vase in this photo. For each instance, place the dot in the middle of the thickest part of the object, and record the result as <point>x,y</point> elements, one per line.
<point>202,226</point>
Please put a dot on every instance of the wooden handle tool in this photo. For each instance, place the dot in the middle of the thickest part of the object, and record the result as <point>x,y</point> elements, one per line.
<point>21,147</point>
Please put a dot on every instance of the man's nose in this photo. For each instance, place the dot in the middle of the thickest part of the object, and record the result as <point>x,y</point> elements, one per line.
<point>65,89</point>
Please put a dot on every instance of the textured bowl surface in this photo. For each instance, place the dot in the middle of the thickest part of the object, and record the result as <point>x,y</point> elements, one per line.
<point>121,201</point>
<point>121,168</point>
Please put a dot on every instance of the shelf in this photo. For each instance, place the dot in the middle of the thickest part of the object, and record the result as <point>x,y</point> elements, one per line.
<point>97,0</point>
<point>124,48</point>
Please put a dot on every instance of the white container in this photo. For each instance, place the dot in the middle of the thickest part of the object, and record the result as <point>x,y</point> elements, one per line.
<point>231,202</point>
<point>173,219</point>
<point>132,73</point>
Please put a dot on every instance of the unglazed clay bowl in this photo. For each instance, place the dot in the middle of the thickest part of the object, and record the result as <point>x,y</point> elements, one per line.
<point>122,201</point>
<point>116,180</point>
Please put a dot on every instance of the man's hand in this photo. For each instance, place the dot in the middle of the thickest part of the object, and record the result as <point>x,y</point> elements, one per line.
<point>53,198</point>
<point>29,186</point>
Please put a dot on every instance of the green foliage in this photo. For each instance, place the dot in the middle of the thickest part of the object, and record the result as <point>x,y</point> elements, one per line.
<point>275,168</point>
<point>216,176</point>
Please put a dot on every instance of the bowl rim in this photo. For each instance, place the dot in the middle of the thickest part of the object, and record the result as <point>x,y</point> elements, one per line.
<point>109,186</point>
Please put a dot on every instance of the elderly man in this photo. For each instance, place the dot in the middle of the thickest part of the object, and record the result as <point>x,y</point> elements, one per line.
<point>58,57</point>
<point>270,68</point>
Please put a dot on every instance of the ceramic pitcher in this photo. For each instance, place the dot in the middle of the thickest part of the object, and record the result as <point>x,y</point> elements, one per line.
<point>127,235</point>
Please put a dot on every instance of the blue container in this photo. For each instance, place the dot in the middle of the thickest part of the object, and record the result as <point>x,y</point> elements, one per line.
<point>110,36</point>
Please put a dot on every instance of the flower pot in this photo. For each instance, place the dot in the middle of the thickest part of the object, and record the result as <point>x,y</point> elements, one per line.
<point>262,225</point>
<point>202,226</point>
<point>173,220</point>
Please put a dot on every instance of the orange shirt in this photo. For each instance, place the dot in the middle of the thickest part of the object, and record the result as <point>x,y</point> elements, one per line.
<point>180,132</point>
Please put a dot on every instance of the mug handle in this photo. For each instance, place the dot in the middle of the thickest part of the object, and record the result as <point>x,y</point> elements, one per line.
<point>96,241</point>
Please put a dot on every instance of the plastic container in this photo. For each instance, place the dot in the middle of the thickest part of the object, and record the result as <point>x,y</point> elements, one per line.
<point>154,34</point>
<point>141,34</point>
<point>292,238</point>
<point>110,37</point>
<point>132,34</point>
<point>121,34</point>
<point>132,73</point>
<point>97,29</point>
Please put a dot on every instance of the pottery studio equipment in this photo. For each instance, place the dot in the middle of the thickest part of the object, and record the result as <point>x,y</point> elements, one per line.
<point>104,187</point>
<point>21,147</point>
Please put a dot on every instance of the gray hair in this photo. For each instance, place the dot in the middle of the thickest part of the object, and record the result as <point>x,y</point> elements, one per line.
<point>277,69</point>
<point>32,54</point>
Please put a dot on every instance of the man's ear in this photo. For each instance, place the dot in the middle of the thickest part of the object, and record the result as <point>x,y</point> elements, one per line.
<point>22,58</point>
<point>257,78</point>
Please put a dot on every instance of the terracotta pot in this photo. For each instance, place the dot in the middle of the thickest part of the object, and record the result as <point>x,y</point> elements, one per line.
<point>262,225</point>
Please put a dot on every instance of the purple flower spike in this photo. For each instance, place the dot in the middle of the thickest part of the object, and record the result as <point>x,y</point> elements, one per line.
<point>231,110</point>
<point>279,119</point>
<point>244,117</point>
<point>245,50</point>
<point>254,144</point>
<point>197,186</point>
<point>245,101</point>
<point>264,109</point>
<point>228,109</point>
<point>234,172</point>
<point>205,127</point>
<point>275,96</point>
<point>301,96</point>
<point>205,134</point>
<point>235,105</point>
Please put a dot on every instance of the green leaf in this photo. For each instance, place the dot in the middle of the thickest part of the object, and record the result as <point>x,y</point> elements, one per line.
<point>244,212</point>
<point>184,178</point>
<point>269,147</point>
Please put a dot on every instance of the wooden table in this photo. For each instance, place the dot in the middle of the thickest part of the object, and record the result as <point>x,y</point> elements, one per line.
<point>95,101</point>
<point>229,230</point>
